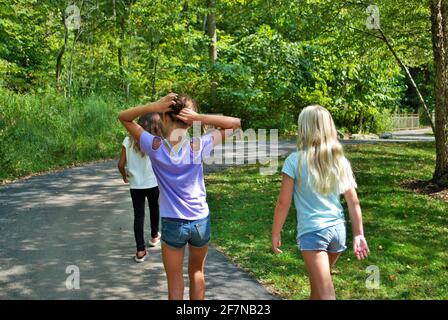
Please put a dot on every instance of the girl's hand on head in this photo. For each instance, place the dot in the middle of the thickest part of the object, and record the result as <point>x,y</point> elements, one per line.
<point>276,244</point>
<point>188,116</point>
<point>166,102</point>
<point>360,247</point>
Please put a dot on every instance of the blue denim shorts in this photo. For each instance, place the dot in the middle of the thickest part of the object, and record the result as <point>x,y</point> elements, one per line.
<point>331,239</point>
<point>177,233</point>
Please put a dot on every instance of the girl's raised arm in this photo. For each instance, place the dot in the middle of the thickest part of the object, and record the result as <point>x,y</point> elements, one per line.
<point>227,124</point>
<point>127,117</point>
<point>281,211</point>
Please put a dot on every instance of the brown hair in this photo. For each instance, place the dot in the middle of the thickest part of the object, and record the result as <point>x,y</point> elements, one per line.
<point>182,101</point>
<point>151,123</point>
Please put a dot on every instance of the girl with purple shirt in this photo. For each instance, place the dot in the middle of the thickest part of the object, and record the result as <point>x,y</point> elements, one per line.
<point>177,164</point>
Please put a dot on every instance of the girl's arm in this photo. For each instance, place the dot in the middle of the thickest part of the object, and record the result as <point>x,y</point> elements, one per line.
<point>281,211</point>
<point>360,246</point>
<point>127,116</point>
<point>223,122</point>
<point>227,124</point>
<point>122,164</point>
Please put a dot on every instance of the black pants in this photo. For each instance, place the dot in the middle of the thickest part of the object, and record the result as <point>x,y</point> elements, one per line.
<point>138,202</point>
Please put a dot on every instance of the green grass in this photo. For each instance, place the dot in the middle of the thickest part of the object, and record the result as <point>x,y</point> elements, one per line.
<point>407,232</point>
<point>39,132</point>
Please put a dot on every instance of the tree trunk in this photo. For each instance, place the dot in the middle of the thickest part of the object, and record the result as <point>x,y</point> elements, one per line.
<point>152,67</point>
<point>62,50</point>
<point>411,79</point>
<point>211,31</point>
<point>70,71</point>
<point>185,7</point>
<point>439,21</point>
<point>120,54</point>
<point>129,67</point>
<point>213,48</point>
<point>72,53</point>
<point>154,75</point>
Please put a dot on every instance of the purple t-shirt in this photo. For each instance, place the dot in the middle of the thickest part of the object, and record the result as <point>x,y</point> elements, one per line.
<point>180,177</point>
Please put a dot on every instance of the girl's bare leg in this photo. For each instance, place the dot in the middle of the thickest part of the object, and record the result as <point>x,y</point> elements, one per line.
<point>173,260</point>
<point>196,266</point>
<point>318,266</point>
<point>332,258</point>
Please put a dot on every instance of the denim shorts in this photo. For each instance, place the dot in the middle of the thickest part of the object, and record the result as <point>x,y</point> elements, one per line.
<point>331,239</point>
<point>177,233</point>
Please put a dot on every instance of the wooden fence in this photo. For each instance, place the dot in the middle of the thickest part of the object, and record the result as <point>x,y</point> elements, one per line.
<point>404,121</point>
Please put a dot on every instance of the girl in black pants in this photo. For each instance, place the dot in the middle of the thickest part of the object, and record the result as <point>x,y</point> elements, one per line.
<point>135,168</point>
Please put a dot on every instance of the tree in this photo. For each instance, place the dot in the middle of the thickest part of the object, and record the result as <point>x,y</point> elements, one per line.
<point>410,77</point>
<point>63,48</point>
<point>439,20</point>
<point>213,48</point>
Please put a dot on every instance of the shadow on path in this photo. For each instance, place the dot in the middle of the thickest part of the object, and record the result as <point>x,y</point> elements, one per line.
<point>83,217</point>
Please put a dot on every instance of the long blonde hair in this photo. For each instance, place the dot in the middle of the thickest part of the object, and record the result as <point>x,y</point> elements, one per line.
<point>328,169</point>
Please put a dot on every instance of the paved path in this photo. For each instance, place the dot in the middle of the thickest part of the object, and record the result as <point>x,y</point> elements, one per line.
<point>242,153</point>
<point>414,135</point>
<point>83,216</point>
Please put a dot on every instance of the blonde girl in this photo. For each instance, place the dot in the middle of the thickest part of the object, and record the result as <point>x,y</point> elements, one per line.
<point>316,175</point>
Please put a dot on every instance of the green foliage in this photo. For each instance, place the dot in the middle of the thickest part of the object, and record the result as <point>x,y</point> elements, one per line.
<point>40,132</point>
<point>274,58</point>
<point>268,80</point>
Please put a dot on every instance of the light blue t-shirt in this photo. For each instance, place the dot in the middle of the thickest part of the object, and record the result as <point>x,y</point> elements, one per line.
<point>314,210</point>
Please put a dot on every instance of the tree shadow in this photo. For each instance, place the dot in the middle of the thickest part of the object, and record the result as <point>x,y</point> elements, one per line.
<point>83,217</point>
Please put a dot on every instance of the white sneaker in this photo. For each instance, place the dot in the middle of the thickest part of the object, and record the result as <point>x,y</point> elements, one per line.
<point>155,241</point>
<point>141,259</point>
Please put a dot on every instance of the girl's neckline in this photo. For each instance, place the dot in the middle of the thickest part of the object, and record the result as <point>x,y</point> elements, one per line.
<point>171,150</point>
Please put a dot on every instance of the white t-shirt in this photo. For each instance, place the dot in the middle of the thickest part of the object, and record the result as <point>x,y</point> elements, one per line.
<point>139,168</point>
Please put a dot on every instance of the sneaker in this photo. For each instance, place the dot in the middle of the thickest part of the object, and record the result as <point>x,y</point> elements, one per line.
<point>155,241</point>
<point>141,259</point>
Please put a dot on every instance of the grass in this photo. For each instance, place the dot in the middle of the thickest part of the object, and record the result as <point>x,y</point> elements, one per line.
<point>407,232</point>
<point>39,132</point>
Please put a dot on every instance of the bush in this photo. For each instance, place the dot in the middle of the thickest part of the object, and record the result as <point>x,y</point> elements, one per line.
<point>43,131</point>
<point>383,122</point>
